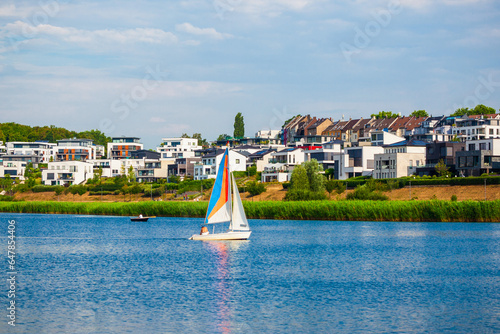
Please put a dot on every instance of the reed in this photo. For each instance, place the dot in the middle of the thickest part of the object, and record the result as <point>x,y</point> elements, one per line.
<point>423,211</point>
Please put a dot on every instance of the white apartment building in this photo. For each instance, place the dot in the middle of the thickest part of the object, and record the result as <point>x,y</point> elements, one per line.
<point>75,149</point>
<point>273,136</point>
<point>113,167</point>
<point>400,159</point>
<point>44,150</point>
<point>67,173</point>
<point>123,147</point>
<point>476,128</point>
<point>380,138</point>
<point>281,165</point>
<point>209,165</point>
<point>178,148</point>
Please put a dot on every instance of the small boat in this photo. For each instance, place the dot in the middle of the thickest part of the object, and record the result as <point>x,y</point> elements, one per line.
<point>220,211</point>
<point>140,219</point>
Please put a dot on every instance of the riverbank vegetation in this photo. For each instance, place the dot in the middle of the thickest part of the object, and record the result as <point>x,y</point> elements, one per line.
<point>412,211</point>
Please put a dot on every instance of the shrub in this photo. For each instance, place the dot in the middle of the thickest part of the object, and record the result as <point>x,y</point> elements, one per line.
<point>40,189</point>
<point>453,198</point>
<point>304,195</point>
<point>255,188</point>
<point>239,174</point>
<point>5,198</point>
<point>365,193</point>
<point>286,185</point>
<point>252,170</point>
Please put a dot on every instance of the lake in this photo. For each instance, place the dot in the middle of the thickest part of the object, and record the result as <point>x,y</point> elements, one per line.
<point>101,274</point>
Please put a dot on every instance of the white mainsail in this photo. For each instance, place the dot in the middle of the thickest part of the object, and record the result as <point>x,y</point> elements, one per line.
<point>239,219</point>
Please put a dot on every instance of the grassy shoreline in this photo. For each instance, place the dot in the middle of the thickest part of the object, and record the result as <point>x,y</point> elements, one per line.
<point>412,211</point>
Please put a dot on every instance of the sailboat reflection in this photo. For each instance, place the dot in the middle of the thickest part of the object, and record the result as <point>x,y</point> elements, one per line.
<point>224,254</point>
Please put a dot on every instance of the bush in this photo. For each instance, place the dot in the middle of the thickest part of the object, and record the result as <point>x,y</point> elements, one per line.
<point>255,188</point>
<point>286,185</point>
<point>104,192</point>
<point>453,198</point>
<point>40,189</point>
<point>304,195</point>
<point>365,193</point>
<point>252,170</point>
<point>5,198</point>
<point>239,174</point>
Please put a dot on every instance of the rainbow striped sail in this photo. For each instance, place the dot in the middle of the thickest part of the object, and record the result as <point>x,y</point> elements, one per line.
<point>219,207</point>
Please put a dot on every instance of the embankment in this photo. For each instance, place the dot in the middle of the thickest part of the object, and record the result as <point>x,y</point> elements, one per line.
<point>425,211</point>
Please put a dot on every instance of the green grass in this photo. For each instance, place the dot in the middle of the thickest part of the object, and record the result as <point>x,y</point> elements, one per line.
<point>427,211</point>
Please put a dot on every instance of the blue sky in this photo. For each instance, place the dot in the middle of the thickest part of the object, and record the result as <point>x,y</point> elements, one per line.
<point>156,69</point>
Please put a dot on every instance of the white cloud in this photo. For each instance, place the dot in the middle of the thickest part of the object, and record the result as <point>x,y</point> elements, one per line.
<point>208,32</point>
<point>271,7</point>
<point>427,4</point>
<point>13,11</point>
<point>73,35</point>
<point>157,120</point>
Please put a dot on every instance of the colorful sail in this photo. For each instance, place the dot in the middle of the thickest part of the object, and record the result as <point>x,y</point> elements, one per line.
<point>219,207</point>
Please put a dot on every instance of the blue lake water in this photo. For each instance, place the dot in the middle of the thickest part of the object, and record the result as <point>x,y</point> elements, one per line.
<point>95,274</point>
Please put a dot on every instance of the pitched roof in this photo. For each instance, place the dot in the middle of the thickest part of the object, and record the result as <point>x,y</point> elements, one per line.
<point>415,123</point>
<point>361,124</point>
<point>400,122</point>
<point>350,124</point>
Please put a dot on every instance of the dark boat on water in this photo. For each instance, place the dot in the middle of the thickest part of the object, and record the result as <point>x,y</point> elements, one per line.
<point>140,219</point>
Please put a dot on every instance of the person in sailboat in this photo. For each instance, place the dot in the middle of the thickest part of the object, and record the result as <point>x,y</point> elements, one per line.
<point>204,230</point>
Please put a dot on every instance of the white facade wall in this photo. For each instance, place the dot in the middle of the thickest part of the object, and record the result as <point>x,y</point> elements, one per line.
<point>209,166</point>
<point>492,145</point>
<point>67,172</point>
<point>44,150</point>
<point>394,165</point>
<point>15,169</point>
<point>178,148</point>
<point>379,138</point>
<point>478,132</point>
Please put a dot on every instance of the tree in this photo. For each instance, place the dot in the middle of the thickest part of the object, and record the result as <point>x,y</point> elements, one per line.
<point>223,137</point>
<point>330,186</point>
<point>441,168</point>
<point>384,114</point>
<point>201,141</point>
<point>419,113</point>
<point>58,190</point>
<point>185,135</point>
<point>481,109</point>
<point>299,179</point>
<point>255,188</point>
<point>239,126</point>
<point>316,180</point>
<point>290,119</point>
<point>135,189</point>
<point>461,112</point>
<point>131,174</point>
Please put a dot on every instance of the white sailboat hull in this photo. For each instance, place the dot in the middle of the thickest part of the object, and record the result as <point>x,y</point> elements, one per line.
<point>231,235</point>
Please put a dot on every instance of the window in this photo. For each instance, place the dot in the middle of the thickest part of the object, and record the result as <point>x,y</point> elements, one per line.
<point>237,161</point>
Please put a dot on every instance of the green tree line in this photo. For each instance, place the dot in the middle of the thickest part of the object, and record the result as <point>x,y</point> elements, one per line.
<point>17,132</point>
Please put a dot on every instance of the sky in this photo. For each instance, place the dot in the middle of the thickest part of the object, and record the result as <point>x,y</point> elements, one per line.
<point>155,69</point>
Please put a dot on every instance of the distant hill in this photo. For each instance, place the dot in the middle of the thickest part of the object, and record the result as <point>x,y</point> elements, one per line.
<point>19,132</point>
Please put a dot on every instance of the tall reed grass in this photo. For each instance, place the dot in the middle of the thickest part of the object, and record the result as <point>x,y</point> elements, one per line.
<point>424,211</point>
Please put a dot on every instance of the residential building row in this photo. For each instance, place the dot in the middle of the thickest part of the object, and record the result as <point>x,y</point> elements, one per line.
<point>382,148</point>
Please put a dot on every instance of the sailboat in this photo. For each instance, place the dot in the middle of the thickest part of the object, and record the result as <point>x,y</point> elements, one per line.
<point>221,211</point>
